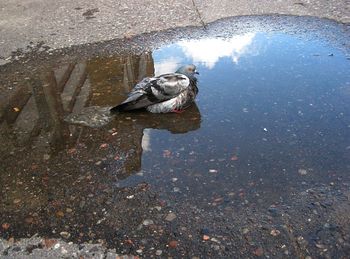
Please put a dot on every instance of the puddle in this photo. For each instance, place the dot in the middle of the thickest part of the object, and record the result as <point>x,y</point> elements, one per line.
<point>271,119</point>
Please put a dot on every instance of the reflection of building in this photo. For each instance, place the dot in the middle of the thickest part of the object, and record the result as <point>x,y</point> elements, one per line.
<point>33,128</point>
<point>112,79</point>
<point>33,131</point>
<point>49,165</point>
<point>37,109</point>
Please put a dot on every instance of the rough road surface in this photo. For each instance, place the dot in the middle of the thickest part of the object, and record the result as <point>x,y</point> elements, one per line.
<point>318,210</point>
<point>65,23</point>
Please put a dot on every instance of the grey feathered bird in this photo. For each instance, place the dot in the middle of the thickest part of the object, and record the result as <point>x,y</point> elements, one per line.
<point>171,92</point>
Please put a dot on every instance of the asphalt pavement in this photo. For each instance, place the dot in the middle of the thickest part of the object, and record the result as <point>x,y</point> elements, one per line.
<point>65,23</point>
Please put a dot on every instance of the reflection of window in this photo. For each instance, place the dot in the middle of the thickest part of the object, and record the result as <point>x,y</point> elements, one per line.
<point>112,78</point>
<point>167,66</point>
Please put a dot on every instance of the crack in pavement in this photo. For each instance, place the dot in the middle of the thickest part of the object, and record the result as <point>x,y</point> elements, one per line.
<point>199,15</point>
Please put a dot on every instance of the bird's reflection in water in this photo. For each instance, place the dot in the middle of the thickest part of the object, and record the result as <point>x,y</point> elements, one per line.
<point>128,128</point>
<point>187,121</point>
<point>129,137</point>
<point>32,127</point>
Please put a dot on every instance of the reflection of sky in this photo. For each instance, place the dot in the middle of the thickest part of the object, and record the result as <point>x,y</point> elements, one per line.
<point>146,140</point>
<point>296,89</point>
<point>206,52</point>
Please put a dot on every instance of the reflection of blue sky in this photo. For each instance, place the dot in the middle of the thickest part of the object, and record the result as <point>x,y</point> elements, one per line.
<point>296,88</point>
<point>205,52</point>
<point>270,76</point>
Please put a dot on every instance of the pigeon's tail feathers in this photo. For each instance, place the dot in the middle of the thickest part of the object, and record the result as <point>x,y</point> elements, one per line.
<point>125,107</point>
<point>131,105</point>
<point>118,108</point>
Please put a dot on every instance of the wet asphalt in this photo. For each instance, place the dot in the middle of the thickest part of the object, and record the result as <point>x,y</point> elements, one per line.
<point>66,23</point>
<point>312,223</point>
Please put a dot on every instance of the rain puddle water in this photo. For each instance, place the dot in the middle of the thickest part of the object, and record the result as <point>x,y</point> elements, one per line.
<point>271,119</point>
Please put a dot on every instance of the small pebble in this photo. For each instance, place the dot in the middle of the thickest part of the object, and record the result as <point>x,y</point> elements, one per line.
<point>275,232</point>
<point>147,222</point>
<point>259,251</point>
<point>215,240</point>
<point>159,252</point>
<point>173,243</point>
<point>320,246</point>
<point>302,171</point>
<point>5,226</point>
<point>65,234</point>
<point>49,242</point>
<point>170,217</point>
<point>104,145</point>
<point>59,214</point>
<point>16,201</point>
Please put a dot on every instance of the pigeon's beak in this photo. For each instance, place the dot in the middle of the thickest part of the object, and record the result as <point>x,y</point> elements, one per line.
<point>196,72</point>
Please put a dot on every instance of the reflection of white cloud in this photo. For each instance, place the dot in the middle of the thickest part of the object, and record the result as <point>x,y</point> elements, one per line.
<point>208,51</point>
<point>146,140</point>
<point>167,66</point>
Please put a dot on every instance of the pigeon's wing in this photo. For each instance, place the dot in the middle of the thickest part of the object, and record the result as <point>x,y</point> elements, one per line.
<point>179,102</point>
<point>143,84</point>
<point>168,86</point>
<point>154,90</point>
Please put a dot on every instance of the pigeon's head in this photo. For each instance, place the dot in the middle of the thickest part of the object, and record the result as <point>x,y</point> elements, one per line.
<point>188,70</point>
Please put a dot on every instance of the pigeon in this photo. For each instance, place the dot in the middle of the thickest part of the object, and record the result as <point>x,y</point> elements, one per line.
<point>171,92</point>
